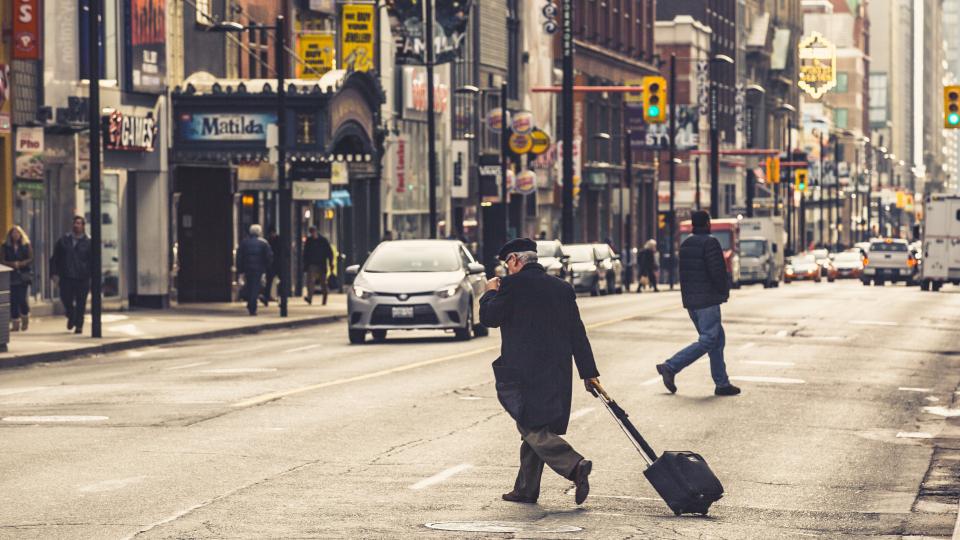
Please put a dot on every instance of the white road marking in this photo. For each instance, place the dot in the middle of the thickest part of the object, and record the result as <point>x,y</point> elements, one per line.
<point>580,413</point>
<point>775,380</point>
<point>441,476</point>
<point>932,399</point>
<point>652,381</point>
<point>875,323</point>
<point>747,345</point>
<point>912,389</point>
<point>942,411</point>
<point>186,366</point>
<point>305,348</point>
<point>471,398</point>
<point>782,333</point>
<point>239,370</point>
<point>24,390</point>
<point>111,485</point>
<point>767,363</point>
<point>128,329</point>
<point>914,435</point>
<point>53,419</point>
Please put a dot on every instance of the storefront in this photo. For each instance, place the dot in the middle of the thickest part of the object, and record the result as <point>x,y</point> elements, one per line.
<point>225,179</point>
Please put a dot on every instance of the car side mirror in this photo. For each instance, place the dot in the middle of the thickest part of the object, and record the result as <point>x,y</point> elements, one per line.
<point>564,258</point>
<point>350,274</point>
<point>475,268</point>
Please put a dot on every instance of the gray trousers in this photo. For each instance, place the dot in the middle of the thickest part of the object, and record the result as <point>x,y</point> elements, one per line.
<point>540,446</point>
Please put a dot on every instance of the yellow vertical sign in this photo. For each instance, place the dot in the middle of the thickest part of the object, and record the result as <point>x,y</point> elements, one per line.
<point>316,52</point>
<point>357,24</point>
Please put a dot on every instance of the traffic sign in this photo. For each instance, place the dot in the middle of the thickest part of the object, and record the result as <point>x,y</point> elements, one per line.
<point>520,143</point>
<point>541,141</point>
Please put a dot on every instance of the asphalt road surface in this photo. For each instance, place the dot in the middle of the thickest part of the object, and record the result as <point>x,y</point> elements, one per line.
<point>844,429</point>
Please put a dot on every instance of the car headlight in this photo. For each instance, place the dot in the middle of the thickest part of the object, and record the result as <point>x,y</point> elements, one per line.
<point>362,293</point>
<point>449,291</point>
<point>788,270</point>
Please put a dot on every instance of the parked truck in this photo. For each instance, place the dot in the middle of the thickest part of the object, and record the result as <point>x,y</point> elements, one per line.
<point>762,240</point>
<point>941,242</point>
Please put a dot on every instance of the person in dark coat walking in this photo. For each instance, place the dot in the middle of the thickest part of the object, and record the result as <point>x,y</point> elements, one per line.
<point>274,270</point>
<point>17,253</point>
<point>704,285</point>
<point>647,261</point>
<point>254,258</point>
<point>70,265</point>
<point>541,329</point>
<point>318,258</point>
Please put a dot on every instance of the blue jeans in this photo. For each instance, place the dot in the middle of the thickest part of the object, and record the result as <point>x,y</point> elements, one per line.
<point>711,342</point>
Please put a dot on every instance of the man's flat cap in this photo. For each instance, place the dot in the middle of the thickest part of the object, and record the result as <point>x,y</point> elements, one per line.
<point>516,245</point>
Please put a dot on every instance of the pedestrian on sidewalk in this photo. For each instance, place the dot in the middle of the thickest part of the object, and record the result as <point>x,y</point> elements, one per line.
<point>704,285</point>
<point>541,329</point>
<point>70,267</point>
<point>254,258</point>
<point>18,254</point>
<point>647,261</point>
<point>274,240</point>
<point>318,258</point>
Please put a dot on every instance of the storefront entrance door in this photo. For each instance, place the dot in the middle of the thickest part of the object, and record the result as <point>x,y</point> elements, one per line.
<point>204,235</point>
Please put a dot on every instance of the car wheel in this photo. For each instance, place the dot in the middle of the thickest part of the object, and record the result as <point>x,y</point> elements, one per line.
<point>357,336</point>
<point>379,335</point>
<point>465,333</point>
<point>611,281</point>
<point>831,280</point>
<point>936,286</point>
<point>866,282</point>
<point>480,330</point>
<point>925,285</point>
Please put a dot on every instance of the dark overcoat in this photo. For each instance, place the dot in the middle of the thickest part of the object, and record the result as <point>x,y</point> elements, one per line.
<point>254,256</point>
<point>541,330</point>
<point>704,281</point>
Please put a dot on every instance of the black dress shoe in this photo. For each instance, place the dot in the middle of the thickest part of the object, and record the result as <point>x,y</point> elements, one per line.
<point>69,324</point>
<point>78,330</point>
<point>513,496</point>
<point>582,478</point>
<point>668,376</point>
<point>728,390</point>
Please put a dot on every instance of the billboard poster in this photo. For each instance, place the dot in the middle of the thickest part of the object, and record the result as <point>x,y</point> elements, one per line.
<point>357,34</point>
<point>317,52</point>
<point>26,29</point>
<point>146,45</point>
<point>224,127</point>
<point>449,32</point>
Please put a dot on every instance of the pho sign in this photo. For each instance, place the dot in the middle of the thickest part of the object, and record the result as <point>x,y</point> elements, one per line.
<point>818,65</point>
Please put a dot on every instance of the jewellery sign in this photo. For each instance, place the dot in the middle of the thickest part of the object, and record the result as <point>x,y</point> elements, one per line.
<point>449,32</point>
<point>357,36</point>
<point>818,65</point>
<point>131,133</point>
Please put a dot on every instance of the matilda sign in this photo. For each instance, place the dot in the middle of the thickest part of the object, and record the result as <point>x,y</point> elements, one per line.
<point>224,127</point>
<point>818,65</point>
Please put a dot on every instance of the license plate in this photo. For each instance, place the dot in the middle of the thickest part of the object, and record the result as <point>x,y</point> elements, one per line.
<point>402,312</point>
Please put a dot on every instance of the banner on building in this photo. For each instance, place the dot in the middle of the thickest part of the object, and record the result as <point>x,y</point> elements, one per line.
<point>220,127</point>
<point>316,52</point>
<point>657,136</point>
<point>28,146</point>
<point>489,172</point>
<point>357,36</point>
<point>26,29</point>
<point>146,45</point>
<point>449,32</point>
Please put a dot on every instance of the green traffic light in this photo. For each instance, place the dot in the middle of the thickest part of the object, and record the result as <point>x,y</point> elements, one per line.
<point>953,119</point>
<point>653,110</point>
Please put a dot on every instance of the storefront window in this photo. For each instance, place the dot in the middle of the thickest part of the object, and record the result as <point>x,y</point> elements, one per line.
<point>110,231</point>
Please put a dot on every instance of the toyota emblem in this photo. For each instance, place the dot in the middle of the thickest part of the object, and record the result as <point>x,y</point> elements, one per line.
<point>403,297</point>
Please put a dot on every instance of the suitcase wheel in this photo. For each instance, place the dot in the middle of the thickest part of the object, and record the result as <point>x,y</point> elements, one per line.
<point>676,513</point>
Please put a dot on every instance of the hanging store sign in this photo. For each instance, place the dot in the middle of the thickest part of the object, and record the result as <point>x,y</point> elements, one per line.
<point>146,45</point>
<point>522,122</point>
<point>28,146</point>
<point>526,183</point>
<point>220,127</point>
<point>26,29</point>
<point>357,32</point>
<point>495,120</point>
<point>541,141</point>
<point>310,191</point>
<point>818,65</point>
<point>520,144</point>
<point>317,52</point>
<point>459,169</point>
<point>449,32</point>
<point>339,174</point>
<point>415,94</point>
<point>130,133</point>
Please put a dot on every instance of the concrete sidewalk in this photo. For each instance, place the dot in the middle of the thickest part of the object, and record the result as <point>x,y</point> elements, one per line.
<point>48,339</point>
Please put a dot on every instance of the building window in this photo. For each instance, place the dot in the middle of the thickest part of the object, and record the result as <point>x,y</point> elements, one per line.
<point>841,83</point>
<point>878,99</point>
<point>729,198</point>
<point>204,12</point>
<point>840,118</point>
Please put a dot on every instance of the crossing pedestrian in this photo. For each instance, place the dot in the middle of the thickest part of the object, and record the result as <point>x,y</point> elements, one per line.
<point>254,258</point>
<point>647,261</point>
<point>540,329</point>
<point>704,285</point>
<point>318,258</point>
<point>70,267</point>
<point>17,253</point>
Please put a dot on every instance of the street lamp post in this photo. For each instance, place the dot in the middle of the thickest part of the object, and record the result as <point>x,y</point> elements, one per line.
<point>715,135</point>
<point>624,222</point>
<point>96,217</point>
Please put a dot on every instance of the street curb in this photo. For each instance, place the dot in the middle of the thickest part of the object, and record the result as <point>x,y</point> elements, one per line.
<point>106,348</point>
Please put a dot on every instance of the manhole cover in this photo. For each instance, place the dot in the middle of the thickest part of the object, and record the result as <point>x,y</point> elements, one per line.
<point>500,527</point>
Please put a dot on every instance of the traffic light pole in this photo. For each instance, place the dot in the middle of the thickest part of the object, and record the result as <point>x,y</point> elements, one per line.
<point>96,215</point>
<point>432,124</point>
<point>285,202</point>
<point>672,88</point>
<point>836,191</point>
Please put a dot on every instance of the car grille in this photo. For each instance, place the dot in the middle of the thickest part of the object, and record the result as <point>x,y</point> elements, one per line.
<point>422,314</point>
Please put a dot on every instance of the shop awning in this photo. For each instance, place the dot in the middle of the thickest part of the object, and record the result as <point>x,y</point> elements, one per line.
<point>339,198</point>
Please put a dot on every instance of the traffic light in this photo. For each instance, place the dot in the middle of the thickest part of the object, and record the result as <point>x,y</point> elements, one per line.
<point>654,99</point>
<point>951,107</point>
<point>773,170</point>
<point>800,180</point>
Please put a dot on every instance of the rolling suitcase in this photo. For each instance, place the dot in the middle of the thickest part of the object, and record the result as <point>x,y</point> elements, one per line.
<point>683,479</point>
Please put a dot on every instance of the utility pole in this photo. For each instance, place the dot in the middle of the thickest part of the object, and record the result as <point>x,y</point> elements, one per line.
<point>567,116</point>
<point>626,230</point>
<point>714,147</point>
<point>836,191</point>
<point>96,215</point>
<point>285,203</point>
<point>672,88</point>
<point>432,125</point>
<point>822,185</point>
<point>504,157</point>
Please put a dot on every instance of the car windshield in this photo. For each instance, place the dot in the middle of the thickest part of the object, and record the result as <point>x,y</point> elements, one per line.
<point>547,249</point>
<point>403,257</point>
<point>724,237</point>
<point>803,259</point>
<point>603,251</point>
<point>579,254</point>
<point>848,256</point>
<point>888,247</point>
<point>752,248</point>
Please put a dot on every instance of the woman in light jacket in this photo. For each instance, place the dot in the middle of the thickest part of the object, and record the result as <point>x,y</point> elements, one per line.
<point>17,253</point>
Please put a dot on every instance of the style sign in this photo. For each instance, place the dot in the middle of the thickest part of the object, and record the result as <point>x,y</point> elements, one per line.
<point>146,41</point>
<point>317,52</point>
<point>26,29</point>
<point>818,65</point>
<point>357,36</point>
<point>310,191</point>
<point>224,127</point>
<point>130,133</point>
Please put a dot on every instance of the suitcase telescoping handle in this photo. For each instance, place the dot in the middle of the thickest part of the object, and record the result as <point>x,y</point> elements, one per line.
<point>625,424</point>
